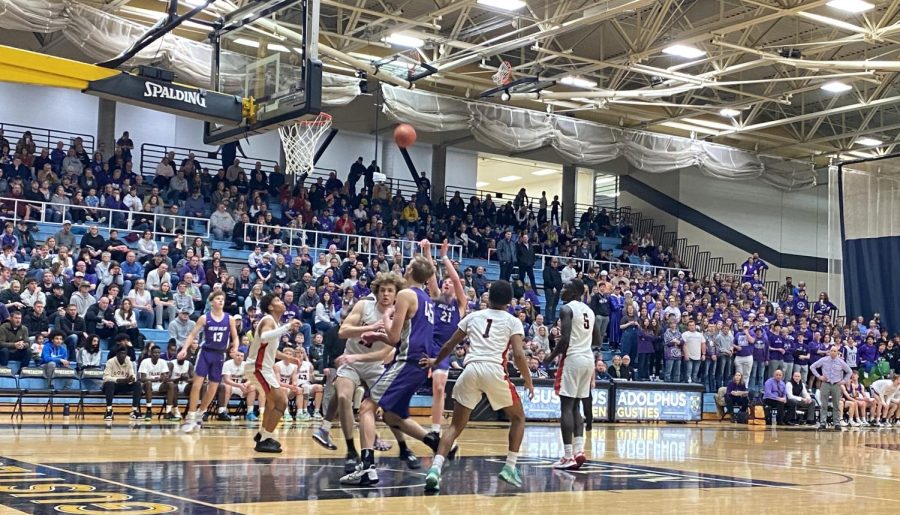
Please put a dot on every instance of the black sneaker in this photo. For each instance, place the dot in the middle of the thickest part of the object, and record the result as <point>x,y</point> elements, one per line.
<point>454,452</point>
<point>109,415</point>
<point>268,445</point>
<point>135,415</point>
<point>171,416</point>
<point>350,464</point>
<point>148,414</point>
<point>432,440</point>
<point>837,428</point>
<point>257,437</point>
<point>408,457</point>
<point>223,417</point>
<point>206,417</point>
<point>823,426</point>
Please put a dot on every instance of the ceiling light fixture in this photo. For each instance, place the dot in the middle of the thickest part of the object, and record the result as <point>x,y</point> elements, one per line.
<point>506,5</point>
<point>688,52</point>
<point>255,44</point>
<point>509,178</point>
<point>729,113</point>
<point>404,40</point>
<point>852,6</point>
<point>836,87</point>
<point>578,82</point>
<point>869,142</point>
<point>546,171</point>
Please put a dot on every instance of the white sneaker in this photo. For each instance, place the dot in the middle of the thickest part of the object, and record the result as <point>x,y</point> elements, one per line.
<point>361,476</point>
<point>159,328</point>
<point>854,423</point>
<point>566,464</point>
<point>844,423</point>
<point>190,424</point>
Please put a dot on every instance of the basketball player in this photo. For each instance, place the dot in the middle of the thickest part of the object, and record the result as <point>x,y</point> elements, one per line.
<point>491,333</point>
<point>366,316</point>
<point>308,390</point>
<point>411,328</point>
<point>288,376</point>
<point>181,373</point>
<point>261,369</point>
<point>449,307</point>
<point>234,383</point>
<point>575,372</point>
<point>217,327</point>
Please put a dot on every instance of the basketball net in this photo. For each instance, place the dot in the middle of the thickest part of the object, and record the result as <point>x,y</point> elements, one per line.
<point>503,75</point>
<point>299,141</point>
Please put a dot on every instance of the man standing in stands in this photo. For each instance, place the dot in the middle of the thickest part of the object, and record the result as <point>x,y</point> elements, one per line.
<point>552,287</point>
<point>600,305</point>
<point>357,171</point>
<point>525,260</point>
<point>506,254</point>
<point>833,372</point>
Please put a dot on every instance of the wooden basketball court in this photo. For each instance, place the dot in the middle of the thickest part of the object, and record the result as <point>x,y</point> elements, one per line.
<point>139,467</point>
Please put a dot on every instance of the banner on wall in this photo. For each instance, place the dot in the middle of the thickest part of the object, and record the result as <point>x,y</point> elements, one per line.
<point>658,404</point>
<point>545,405</point>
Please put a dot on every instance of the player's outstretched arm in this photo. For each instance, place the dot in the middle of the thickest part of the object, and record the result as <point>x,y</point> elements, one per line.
<point>378,356</point>
<point>458,289</point>
<point>201,323</point>
<point>446,350</point>
<point>565,334</point>
<point>522,362</point>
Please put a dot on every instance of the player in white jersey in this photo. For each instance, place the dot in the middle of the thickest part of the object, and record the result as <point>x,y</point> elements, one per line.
<point>234,383</point>
<point>886,393</point>
<point>366,316</point>
<point>288,377</point>
<point>308,389</point>
<point>575,372</point>
<point>261,369</point>
<point>491,333</point>
<point>181,373</point>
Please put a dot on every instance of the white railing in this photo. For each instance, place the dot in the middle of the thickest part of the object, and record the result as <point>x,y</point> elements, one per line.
<point>257,234</point>
<point>122,220</point>
<point>540,260</point>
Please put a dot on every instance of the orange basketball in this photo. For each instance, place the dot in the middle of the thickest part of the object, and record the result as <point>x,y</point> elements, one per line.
<point>404,135</point>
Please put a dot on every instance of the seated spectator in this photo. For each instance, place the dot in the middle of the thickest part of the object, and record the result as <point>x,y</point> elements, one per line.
<point>600,371</point>
<point>180,327</point>
<point>127,321</point>
<point>55,355</point>
<point>14,342</point>
<point>36,322</point>
<point>118,378</point>
<point>775,396</point>
<point>142,303</point>
<point>164,305</point>
<point>100,318</point>
<point>798,397</point>
<point>88,356</point>
<point>736,396</point>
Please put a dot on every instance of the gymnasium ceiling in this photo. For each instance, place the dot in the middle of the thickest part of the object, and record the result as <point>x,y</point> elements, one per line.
<point>764,59</point>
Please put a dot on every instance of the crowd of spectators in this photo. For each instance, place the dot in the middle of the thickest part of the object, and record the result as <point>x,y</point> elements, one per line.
<point>106,286</point>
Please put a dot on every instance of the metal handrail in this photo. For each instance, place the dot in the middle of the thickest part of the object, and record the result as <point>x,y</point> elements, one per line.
<point>45,138</point>
<point>152,154</point>
<point>587,264</point>
<point>43,210</point>
<point>321,241</point>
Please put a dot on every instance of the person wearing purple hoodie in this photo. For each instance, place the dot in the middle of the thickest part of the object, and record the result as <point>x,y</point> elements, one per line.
<point>868,354</point>
<point>760,358</point>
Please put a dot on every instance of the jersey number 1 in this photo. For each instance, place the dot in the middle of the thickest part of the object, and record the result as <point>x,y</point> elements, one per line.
<point>487,329</point>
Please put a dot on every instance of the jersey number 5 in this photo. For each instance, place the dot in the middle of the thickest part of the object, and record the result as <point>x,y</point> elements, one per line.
<point>587,321</point>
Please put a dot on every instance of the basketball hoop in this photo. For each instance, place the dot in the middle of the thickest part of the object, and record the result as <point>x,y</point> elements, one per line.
<point>503,75</point>
<point>299,141</point>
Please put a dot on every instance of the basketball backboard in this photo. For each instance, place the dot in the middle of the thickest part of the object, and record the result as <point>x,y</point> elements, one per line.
<point>267,51</point>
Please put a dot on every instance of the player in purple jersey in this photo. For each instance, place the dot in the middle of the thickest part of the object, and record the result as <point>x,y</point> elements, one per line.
<point>218,329</point>
<point>449,307</point>
<point>411,329</point>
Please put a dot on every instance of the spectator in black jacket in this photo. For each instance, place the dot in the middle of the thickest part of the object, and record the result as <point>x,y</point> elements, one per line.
<point>506,254</point>
<point>73,327</point>
<point>37,321</point>
<point>95,241</point>
<point>100,318</point>
<point>525,260</point>
<point>552,287</point>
